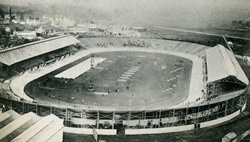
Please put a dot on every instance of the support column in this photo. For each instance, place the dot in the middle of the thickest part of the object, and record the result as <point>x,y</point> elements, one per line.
<point>186,115</point>
<point>23,106</point>
<point>197,115</point>
<point>98,118</point>
<point>145,117</point>
<point>66,117</point>
<point>81,118</point>
<point>113,120</point>
<point>225,113</point>
<point>11,104</point>
<point>159,114</point>
<point>173,116</point>
<point>232,105</point>
<point>1,67</point>
<point>219,105</point>
<point>36,108</point>
<point>209,110</point>
<point>159,118</point>
<point>129,117</point>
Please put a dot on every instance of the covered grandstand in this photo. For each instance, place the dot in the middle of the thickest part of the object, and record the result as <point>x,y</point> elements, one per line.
<point>224,73</point>
<point>12,56</point>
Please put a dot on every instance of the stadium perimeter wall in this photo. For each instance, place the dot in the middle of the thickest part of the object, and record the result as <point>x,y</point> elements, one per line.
<point>42,109</point>
<point>183,128</point>
<point>212,119</point>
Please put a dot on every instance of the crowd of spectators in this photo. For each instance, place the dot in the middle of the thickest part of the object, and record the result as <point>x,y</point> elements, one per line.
<point>138,43</point>
<point>104,44</point>
<point>44,60</point>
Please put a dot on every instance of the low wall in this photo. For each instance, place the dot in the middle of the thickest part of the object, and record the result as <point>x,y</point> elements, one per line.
<point>183,128</point>
<point>158,130</point>
<point>221,120</point>
<point>89,131</point>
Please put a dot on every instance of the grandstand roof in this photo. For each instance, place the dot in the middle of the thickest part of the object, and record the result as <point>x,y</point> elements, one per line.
<point>30,127</point>
<point>19,53</point>
<point>221,63</point>
<point>15,127</point>
<point>44,129</point>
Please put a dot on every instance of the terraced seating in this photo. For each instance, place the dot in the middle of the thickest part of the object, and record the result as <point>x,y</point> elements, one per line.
<point>159,44</point>
<point>201,53</point>
<point>84,42</point>
<point>171,45</point>
<point>182,47</point>
<point>196,49</point>
<point>176,46</point>
<point>119,41</point>
<point>113,41</point>
<point>191,48</point>
<point>87,42</point>
<point>93,42</point>
<point>200,49</point>
<point>104,40</point>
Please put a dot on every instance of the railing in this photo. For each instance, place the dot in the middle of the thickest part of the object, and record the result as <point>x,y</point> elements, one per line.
<point>158,119</point>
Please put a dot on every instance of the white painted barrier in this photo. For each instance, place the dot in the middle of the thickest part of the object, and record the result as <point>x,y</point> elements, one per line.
<point>89,131</point>
<point>79,69</point>
<point>158,130</point>
<point>219,120</point>
<point>223,119</point>
<point>182,128</point>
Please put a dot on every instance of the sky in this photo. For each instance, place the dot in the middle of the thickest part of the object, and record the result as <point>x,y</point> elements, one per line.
<point>196,13</point>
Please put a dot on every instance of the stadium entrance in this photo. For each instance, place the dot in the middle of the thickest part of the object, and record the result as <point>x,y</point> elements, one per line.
<point>119,125</point>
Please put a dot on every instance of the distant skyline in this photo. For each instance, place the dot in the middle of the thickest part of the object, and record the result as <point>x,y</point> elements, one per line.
<point>226,3</point>
<point>189,13</point>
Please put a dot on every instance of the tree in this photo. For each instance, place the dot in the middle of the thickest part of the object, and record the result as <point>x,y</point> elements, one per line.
<point>30,12</point>
<point>22,17</point>
<point>234,23</point>
<point>2,13</point>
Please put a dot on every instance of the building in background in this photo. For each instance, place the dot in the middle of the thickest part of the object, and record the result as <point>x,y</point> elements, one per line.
<point>124,33</point>
<point>26,34</point>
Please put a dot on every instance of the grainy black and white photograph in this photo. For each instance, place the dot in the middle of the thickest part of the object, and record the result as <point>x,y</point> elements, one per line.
<point>124,70</point>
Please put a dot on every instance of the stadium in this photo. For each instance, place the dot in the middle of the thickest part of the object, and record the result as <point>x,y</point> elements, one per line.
<point>124,85</point>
